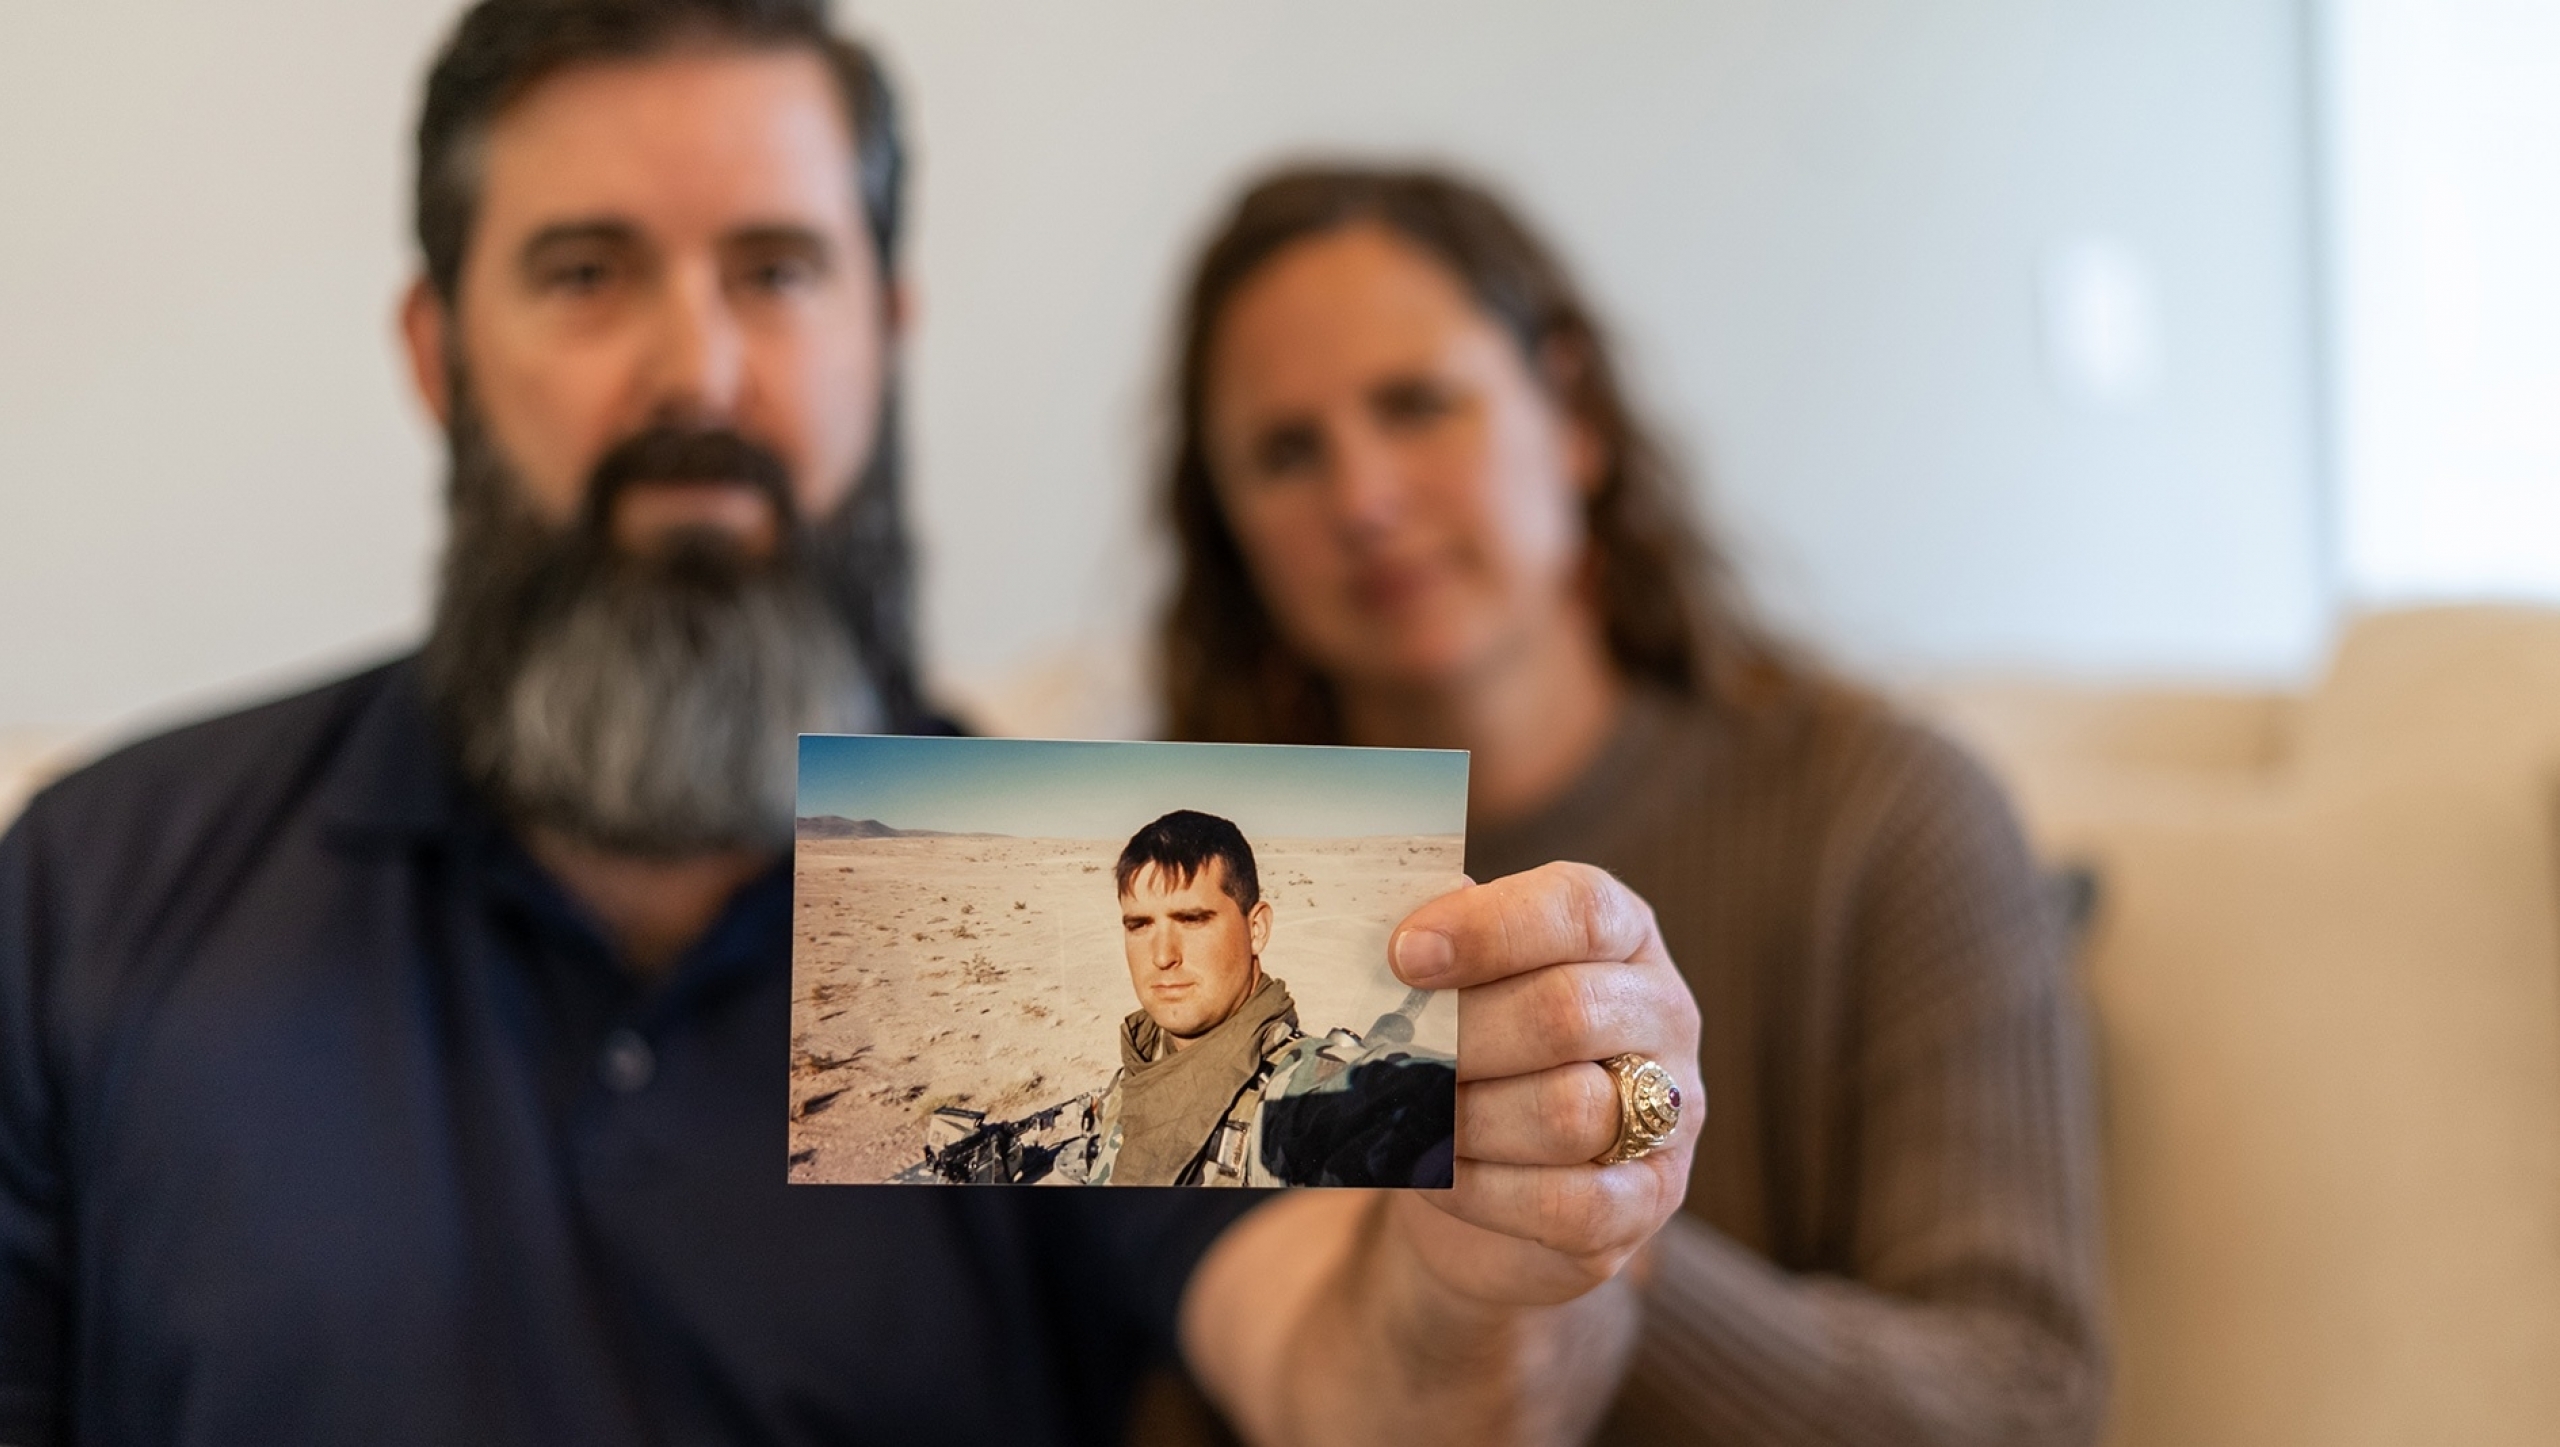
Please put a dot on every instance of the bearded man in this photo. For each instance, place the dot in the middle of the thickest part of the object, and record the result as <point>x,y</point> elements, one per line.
<point>403,1062</point>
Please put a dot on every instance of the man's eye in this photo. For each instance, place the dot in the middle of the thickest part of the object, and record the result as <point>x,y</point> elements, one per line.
<point>788,273</point>
<point>576,278</point>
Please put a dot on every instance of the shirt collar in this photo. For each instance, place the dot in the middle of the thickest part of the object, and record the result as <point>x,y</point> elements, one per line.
<point>393,780</point>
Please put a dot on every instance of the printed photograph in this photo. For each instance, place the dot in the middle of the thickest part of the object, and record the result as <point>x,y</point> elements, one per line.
<point>1044,962</point>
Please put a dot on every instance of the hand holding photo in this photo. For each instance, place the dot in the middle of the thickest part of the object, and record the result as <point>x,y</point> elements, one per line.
<point>1064,963</point>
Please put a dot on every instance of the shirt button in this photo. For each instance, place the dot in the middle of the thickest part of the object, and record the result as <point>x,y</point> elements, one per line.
<point>627,1063</point>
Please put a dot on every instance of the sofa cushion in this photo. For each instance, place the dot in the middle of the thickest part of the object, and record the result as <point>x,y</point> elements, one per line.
<point>2327,990</point>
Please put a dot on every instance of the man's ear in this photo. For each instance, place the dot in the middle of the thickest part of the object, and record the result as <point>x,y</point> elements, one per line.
<point>425,326</point>
<point>1257,923</point>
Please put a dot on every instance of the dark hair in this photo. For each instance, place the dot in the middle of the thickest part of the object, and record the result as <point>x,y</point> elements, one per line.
<point>1182,843</point>
<point>501,48</point>
<point>1666,597</point>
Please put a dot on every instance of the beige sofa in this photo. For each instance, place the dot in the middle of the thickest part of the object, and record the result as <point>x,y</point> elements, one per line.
<point>2326,975</point>
<point>28,757</point>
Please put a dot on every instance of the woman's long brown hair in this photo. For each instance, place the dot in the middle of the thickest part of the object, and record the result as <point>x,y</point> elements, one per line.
<point>1665,594</point>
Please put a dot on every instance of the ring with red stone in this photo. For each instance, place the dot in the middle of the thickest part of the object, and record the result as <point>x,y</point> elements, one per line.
<point>1648,1107</point>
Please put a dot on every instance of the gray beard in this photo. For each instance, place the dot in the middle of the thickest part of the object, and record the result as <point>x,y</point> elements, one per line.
<point>645,706</point>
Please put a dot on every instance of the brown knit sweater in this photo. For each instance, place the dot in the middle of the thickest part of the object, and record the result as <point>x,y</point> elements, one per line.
<point>1890,1233</point>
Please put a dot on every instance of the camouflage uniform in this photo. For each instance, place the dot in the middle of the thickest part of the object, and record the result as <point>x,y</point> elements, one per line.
<point>1226,1158</point>
<point>1295,1066</point>
<point>1373,1111</point>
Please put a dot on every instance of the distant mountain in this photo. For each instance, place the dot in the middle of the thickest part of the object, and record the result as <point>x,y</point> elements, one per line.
<point>836,826</point>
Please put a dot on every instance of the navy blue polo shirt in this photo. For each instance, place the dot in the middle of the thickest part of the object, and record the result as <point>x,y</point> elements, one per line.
<point>325,1117</point>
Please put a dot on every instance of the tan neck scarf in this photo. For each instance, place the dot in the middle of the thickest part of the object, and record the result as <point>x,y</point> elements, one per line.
<point>1171,1100</point>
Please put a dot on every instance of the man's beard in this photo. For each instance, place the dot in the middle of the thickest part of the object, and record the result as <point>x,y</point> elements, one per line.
<point>646,705</point>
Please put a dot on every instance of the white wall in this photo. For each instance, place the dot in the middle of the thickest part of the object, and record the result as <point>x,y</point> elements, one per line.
<point>2446,144</point>
<point>208,468</point>
<point>1819,227</point>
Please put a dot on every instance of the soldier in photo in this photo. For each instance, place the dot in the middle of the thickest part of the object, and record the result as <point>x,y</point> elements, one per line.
<point>1218,1085</point>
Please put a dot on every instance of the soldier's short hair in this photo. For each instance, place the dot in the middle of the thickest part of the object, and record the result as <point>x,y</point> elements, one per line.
<point>1181,844</point>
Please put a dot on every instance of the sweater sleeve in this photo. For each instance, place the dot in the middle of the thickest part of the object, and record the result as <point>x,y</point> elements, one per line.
<point>1965,1304</point>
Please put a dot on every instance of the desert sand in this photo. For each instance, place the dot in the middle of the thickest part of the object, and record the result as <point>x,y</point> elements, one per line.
<point>987,973</point>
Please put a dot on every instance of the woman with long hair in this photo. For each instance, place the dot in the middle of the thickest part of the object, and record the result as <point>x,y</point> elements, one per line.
<point>1413,508</point>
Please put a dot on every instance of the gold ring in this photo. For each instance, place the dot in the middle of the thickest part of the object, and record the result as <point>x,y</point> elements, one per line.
<point>1648,1107</point>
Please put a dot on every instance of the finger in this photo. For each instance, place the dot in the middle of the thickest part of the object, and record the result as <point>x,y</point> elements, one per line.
<point>1488,1266</point>
<point>1549,915</point>
<point>1584,1210</point>
<point>1561,1117</point>
<point>1534,1022</point>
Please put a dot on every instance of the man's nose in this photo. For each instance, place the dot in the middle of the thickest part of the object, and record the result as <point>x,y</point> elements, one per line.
<point>1168,947</point>
<point>700,362</point>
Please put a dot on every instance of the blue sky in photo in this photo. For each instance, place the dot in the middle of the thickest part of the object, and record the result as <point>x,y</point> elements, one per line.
<point>1062,789</point>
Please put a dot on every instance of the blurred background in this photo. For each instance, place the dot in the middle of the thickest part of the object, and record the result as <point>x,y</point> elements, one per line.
<point>2110,338</point>
<point>2132,383</point>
